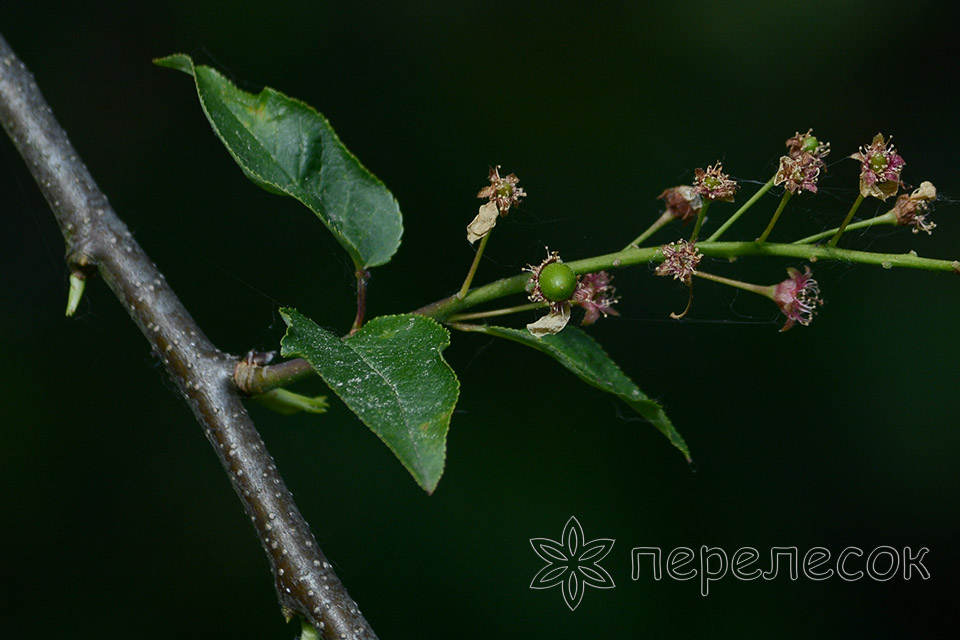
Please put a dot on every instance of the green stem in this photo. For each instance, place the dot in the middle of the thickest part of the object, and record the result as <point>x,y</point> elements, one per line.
<point>739,212</point>
<point>846,221</point>
<point>443,309</point>
<point>666,217</point>
<point>495,312</point>
<point>700,217</point>
<point>746,286</point>
<point>473,267</point>
<point>887,218</point>
<point>363,276</point>
<point>776,216</point>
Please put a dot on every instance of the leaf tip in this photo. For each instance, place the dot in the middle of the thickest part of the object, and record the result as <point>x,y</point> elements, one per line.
<point>178,61</point>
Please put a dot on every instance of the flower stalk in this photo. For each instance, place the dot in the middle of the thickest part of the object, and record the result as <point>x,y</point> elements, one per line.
<point>886,218</point>
<point>696,227</point>
<point>473,266</point>
<point>665,218</point>
<point>776,216</point>
<point>493,313</point>
<point>846,221</point>
<point>739,212</point>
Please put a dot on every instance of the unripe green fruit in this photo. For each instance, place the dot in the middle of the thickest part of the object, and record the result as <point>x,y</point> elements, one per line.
<point>878,163</point>
<point>711,182</point>
<point>810,144</point>
<point>557,282</point>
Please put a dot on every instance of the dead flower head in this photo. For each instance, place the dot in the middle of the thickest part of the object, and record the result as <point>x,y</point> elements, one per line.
<point>501,194</point>
<point>713,184</point>
<point>504,191</point>
<point>680,260</point>
<point>912,209</point>
<point>682,202</point>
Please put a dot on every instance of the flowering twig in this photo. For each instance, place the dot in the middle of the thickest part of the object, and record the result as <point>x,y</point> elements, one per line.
<point>442,309</point>
<point>97,240</point>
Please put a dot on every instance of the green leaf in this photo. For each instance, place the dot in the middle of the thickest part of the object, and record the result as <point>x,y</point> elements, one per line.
<point>391,374</point>
<point>287,402</point>
<point>582,355</point>
<point>286,147</point>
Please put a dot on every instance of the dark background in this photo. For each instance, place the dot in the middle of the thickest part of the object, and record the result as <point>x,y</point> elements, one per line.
<point>117,519</point>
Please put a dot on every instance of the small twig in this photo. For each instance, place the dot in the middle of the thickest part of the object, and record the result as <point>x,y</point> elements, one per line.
<point>253,379</point>
<point>493,313</point>
<point>96,237</point>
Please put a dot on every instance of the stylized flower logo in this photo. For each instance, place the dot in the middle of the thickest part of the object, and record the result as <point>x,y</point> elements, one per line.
<point>572,563</point>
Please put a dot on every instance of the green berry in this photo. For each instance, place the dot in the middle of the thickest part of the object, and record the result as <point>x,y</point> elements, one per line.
<point>557,282</point>
<point>878,163</point>
<point>810,144</point>
<point>712,182</point>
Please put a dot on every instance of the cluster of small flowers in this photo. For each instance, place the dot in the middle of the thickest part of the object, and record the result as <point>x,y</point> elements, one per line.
<point>799,170</point>
<point>880,168</point>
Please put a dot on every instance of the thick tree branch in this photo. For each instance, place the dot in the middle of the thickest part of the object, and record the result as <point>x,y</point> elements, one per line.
<point>97,240</point>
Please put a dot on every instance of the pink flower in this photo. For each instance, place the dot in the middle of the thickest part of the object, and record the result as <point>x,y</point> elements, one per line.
<point>880,168</point>
<point>504,192</point>
<point>797,297</point>
<point>798,173</point>
<point>713,184</point>
<point>596,296</point>
<point>680,260</point>
<point>682,202</point>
